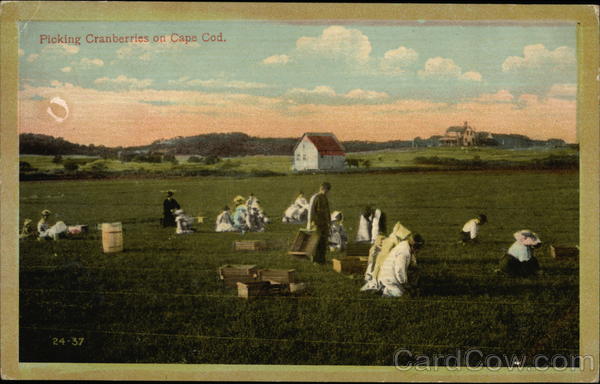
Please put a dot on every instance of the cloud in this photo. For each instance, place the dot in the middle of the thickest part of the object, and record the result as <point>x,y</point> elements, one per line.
<point>439,67</point>
<point>321,90</point>
<point>360,94</point>
<point>471,75</point>
<point>140,116</point>
<point>563,90</point>
<point>324,94</point>
<point>537,56</point>
<point>277,60</point>
<point>528,100</point>
<point>59,84</point>
<point>147,51</point>
<point>32,57</point>
<point>124,81</point>
<point>337,43</point>
<point>66,69</point>
<point>501,96</point>
<point>89,63</point>
<point>217,83</point>
<point>60,49</point>
<point>396,60</point>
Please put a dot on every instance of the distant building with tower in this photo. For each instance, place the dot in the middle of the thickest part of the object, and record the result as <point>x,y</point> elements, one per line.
<point>318,151</point>
<point>459,136</point>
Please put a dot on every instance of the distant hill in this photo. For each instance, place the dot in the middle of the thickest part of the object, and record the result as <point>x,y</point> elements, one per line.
<point>37,144</point>
<point>239,144</point>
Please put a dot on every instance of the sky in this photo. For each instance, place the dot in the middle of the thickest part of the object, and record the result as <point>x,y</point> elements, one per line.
<point>362,80</point>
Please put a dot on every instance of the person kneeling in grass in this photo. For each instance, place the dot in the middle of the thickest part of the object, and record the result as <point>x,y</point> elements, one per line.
<point>519,260</point>
<point>183,222</point>
<point>225,221</point>
<point>471,228</point>
<point>389,262</point>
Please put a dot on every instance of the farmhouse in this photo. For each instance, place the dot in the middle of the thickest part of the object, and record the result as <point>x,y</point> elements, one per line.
<point>464,136</point>
<point>320,151</point>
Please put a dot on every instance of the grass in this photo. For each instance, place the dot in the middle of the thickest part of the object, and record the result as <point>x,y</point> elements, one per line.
<point>159,301</point>
<point>282,164</point>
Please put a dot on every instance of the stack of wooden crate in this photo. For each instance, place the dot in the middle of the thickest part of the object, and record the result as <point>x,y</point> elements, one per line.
<point>355,261</point>
<point>271,282</point>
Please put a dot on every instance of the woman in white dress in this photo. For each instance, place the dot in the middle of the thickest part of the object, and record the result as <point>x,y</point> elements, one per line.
<point>225,221</point>
<point>45,231</point>
<point>297,212</point>
<point>519,260</point>
<point>371,223</point>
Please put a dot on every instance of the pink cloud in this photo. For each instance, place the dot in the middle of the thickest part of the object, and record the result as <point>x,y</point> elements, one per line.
<point>141,116</point>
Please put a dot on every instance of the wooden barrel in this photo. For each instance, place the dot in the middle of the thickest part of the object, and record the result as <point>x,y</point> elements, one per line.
<point>112,237</point>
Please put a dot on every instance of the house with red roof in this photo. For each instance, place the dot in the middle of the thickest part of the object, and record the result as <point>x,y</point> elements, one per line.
<point>318,151</point>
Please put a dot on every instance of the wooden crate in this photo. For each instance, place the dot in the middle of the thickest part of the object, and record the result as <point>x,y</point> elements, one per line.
<point>276,288</point>
<point>285,276</point>
<point>560,251</point>
<point>253,289</point>
<point>351,264</point>
<point>358,249</point>
<point>249,245</point>
<point>304,244</point>
<point>231,274</point>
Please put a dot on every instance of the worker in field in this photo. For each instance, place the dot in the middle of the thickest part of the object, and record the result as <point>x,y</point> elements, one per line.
<point>46,231</point>
<point>28,230</point>
<point>379,252</point>
<point>520,260</point>
<point>225,221</point>
<point>337,234</point>
<point>252,200</point>
<point>169,206</point>
<point>257,218</point>
<point>240,214</point>
<point>319,220</point>
<point>184,222</point>
<point>471,229</point>
<point>297,212</point>
<point>372,222</point>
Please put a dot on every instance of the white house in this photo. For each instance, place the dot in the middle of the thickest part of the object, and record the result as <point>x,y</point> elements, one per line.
<point>320,151</point>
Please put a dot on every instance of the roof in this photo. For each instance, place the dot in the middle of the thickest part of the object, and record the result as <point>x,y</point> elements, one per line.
<point>326,143</point>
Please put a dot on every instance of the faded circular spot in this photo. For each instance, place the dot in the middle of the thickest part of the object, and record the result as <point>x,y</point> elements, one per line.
<point>58,109</point>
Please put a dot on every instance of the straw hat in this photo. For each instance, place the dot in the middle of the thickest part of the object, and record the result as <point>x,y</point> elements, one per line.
<point>27,221</point>
<point>239,199</point>
<point>46,212</point>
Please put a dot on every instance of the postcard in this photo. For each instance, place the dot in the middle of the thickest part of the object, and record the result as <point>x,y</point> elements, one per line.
<point>323,192</point>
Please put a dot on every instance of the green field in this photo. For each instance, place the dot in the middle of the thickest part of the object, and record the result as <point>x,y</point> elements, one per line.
<point>283,164</point>
<point>159,301</point>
